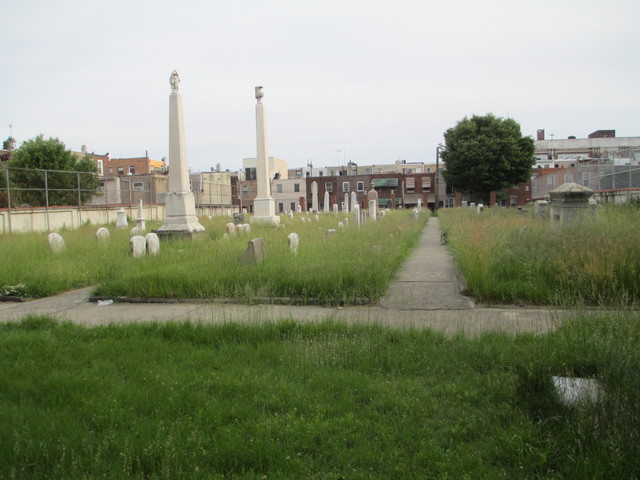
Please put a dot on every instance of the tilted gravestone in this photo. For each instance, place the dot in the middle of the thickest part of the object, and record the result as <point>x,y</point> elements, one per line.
<point>254,253</point>
<point>152,243</point>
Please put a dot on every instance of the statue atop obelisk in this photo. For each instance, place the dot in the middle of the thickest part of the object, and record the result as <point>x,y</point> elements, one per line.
<point>180,209</point>
<point>264,206</point>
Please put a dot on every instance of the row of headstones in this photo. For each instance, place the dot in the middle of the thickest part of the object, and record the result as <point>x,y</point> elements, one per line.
<point>138,245</point>
<point>539,207</point>
<point>241,229</point>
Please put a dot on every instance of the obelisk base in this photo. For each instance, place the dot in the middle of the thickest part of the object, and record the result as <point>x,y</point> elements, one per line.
<point>264,212</point>
<point>180,216</point>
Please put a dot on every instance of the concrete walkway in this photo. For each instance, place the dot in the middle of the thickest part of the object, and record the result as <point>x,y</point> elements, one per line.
<point>425,294</point>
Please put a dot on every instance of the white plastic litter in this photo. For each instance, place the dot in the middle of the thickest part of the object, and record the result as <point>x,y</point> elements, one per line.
<point>103,303</point>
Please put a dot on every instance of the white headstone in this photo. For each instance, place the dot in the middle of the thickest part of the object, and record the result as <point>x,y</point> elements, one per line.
<point>326,202</point>
<point>472,205</point>
<point>340,225</point>
<point>137,246</point>
<point>345,205</point>
<point>335,209</point>
<point>153,243</point>
<point>419,203</point>
<point>135,231</point>
<point>480,207</point>
<point>294,241</point>
<point>121,218</point>
<point>373,209</point>
<point>231,229</point>
<point>247,228</point>
<point>314,196</point>
<point>103,235</point>
<point>56,242</point>
<point>298,208</point>
<point>317,217</point>
<point>354,200</point>
<point>356,214</point>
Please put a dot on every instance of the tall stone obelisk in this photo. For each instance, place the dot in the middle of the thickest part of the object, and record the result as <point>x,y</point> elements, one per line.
<point>264,206</point>
<point>180,207</point>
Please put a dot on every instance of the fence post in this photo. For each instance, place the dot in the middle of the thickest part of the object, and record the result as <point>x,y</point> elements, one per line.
<point>79,200</point>
<point>46,198</point>
<point>8,197</point>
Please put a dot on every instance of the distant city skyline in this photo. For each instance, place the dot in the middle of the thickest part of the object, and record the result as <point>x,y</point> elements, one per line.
<point>357,81</point>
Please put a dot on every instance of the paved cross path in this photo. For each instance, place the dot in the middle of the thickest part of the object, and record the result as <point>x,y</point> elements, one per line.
<point>424,294</point>
<point>428,279</point>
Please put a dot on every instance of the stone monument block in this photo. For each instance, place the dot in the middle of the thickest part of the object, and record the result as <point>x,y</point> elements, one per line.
<point>568,203</point>
<point>121,218</point>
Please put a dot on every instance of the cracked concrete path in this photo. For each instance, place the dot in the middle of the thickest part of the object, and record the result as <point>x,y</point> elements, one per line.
<point>424,294</point>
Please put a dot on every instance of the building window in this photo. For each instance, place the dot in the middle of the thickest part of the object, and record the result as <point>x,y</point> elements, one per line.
<point>100,168</point>
<point>293,206</point>
<point>411,183</point>
<point>298,174</point>
<point>132,169</point>
<point>328,187</point>
<point>245,190</point>
<point>110,170</point>
<point>278,188</point>
<point>137,186</point>
<point>551,180</point>
<point>120,171</point>
<point>321,173</point>
<point>426,184</point>
<point>101,187</point>
<point>367,171</point>
<point>280,207</point>
<point>586,178</point>
<point>360,186</point>
<point>296,187</point>
<point>345,187</point>
<point>513,200</point>
<point>568,177</point>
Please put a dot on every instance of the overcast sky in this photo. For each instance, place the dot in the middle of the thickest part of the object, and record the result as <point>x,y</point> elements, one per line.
<point>378,80</point>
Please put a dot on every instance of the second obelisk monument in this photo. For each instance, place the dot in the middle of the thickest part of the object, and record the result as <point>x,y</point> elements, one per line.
<point>180,207</point>
<point>264,206</point>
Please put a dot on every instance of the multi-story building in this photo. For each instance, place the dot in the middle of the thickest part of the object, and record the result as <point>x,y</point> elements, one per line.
<point>599,146</point>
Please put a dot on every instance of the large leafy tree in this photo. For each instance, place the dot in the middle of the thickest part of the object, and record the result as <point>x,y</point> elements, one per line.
<point>28,177</point>
<point>486,153</point>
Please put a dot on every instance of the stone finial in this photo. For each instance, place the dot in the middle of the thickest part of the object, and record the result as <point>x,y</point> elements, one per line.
<point>174,81</point>
<point>259,94</point>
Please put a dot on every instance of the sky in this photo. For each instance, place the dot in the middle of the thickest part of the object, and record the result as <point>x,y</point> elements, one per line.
<point>344,80</point>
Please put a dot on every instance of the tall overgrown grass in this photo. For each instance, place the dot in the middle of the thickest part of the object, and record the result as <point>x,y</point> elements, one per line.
<point>507,257</point>
<point>314,401</point>
<point>354,265</point>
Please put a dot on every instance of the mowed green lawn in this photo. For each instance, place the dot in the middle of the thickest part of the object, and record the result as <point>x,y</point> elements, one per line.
<point>325,401</point>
